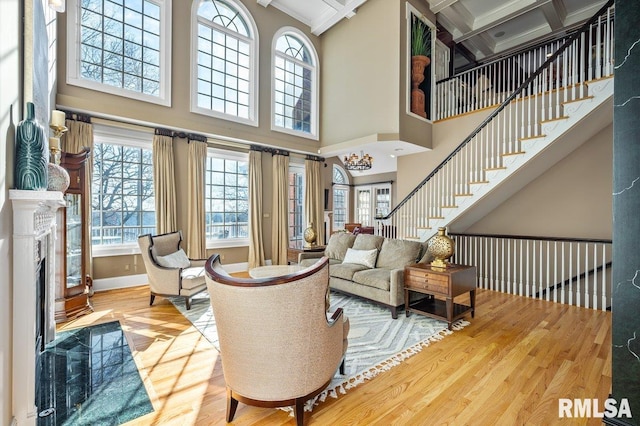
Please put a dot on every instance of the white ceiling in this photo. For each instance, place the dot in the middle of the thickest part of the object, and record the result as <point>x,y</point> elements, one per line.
<point>485,28</point>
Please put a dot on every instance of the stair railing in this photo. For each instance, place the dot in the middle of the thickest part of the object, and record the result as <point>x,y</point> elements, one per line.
<point>565,270</point>
<point>559,78</point>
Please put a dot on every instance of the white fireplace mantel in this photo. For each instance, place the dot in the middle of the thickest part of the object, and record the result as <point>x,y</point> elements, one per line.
<point>34,220</point>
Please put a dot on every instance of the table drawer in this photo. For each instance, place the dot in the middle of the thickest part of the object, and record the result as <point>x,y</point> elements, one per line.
<point>427,283</point>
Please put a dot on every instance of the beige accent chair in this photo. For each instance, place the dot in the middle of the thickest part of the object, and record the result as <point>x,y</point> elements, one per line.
<point>278,346</point>
<point>182,277</point>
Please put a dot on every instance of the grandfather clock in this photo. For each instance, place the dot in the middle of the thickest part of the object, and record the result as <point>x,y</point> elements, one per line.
<point>75,282</point>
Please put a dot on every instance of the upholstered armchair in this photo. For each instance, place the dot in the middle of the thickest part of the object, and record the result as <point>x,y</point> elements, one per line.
<point>170,271</point>
<point>278,346</point>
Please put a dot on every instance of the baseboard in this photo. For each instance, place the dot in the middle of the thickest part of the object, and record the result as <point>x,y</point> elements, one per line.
<point>126,281</point>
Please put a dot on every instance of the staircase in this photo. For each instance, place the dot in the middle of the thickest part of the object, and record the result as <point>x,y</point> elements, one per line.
<point>564,102</point>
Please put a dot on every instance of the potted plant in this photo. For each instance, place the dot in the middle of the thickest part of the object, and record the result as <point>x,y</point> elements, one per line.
<point>420,59</point>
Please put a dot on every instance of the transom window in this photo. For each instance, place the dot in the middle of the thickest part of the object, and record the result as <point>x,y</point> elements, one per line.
<point>123,200</point>
<point>225,72</point>
<point>121,47</point>
<point>226,197</point>
<point>295,84</point>
<point>340,198</point>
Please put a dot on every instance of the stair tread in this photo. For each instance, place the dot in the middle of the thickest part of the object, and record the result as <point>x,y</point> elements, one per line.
<point>513,153</point>
<point>577,100</point>
<point>551,120</point>
<point>528,138</point>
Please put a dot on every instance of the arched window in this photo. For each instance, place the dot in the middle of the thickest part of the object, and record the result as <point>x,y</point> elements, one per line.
<point>225,55</point>
<point>340,198</point>
<point>295,84</point>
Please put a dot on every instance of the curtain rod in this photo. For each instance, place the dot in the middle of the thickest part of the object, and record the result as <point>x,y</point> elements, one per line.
<point>99,118</point>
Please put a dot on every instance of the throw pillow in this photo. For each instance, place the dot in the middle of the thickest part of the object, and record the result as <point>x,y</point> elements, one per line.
<point>361,257</point>
<point>177,259</point>
<point>338,245</point>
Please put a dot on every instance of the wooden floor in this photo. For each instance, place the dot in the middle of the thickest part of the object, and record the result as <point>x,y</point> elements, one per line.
<point>508,367</point>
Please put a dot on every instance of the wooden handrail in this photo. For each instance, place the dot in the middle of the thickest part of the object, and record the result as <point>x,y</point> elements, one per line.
<point>574,279</point>
<point>528,237</point>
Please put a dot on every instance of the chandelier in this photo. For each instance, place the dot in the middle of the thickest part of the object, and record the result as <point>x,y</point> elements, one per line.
<point>353,162</point>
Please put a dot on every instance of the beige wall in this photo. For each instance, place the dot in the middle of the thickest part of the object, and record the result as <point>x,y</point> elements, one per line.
<point>360,74</point>
<point>10,114</point>
<point>572,199</point>
<point>365,77</point>
<point>268,20</point>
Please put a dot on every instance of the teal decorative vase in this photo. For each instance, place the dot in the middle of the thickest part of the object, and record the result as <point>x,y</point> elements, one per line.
<point>31,153</point>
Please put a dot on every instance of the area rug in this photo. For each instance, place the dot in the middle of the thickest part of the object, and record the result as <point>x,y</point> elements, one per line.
<point>377,342</point>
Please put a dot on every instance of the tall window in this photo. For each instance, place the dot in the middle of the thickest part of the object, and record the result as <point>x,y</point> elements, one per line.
<point>295,84</point>
<point>121,47</point>
<point>123,203</point>
<point>296,203</point>
<point>226,197</point>
<point>340,198</point>
<point>224,47</point>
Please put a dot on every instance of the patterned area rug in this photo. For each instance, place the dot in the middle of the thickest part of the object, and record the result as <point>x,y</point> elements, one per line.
<point>376,341</point>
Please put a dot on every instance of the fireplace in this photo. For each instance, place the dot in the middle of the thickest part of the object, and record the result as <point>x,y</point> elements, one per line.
<point>34,230</point>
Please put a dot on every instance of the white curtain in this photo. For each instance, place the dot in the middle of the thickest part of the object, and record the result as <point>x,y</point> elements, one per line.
<point>279,220</point>
<point>314,197</point>
<point>256,243</point>
<point>164,183</point>
<point>196,238</point>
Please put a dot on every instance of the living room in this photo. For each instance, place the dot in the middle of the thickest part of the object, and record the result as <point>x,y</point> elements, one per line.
<point>546,206</point>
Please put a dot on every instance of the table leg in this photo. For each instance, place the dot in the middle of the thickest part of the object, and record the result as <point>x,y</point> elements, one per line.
<point>406,302</point>
<point>449,311</point>
<point>472,296</point>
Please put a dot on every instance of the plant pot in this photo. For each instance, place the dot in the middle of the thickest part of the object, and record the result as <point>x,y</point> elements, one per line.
<point>418,64</point>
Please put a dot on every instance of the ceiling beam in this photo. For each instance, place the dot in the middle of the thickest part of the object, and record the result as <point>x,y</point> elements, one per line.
<point>437,6</point>
<point>337,5</point>
<point>555,14</point>
<point>264,3</point>
<point>318,26</point>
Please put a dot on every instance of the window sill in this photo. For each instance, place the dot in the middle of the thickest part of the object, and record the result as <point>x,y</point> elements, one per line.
<point>119,250</point>
<point>229,243</point>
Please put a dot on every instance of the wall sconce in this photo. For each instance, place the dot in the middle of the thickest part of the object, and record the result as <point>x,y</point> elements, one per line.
<point>58,5</point>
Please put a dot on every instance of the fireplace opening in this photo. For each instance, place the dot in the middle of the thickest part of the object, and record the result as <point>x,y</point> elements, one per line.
<point>41,313</point>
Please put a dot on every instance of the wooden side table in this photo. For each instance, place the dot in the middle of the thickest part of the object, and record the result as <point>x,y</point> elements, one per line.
<point>448,283</point>
<point>292,252</point>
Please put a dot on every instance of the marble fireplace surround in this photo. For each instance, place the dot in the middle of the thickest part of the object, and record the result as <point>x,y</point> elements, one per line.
<point>34,227</point>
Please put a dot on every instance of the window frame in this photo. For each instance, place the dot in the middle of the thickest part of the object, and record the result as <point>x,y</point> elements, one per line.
<point>226,242</point>
<point>342,187</point>
<point>253,41</point>
<point>123,137</point>
<point>73,57</point>
<point>298,168</point>
<point>315,76</point>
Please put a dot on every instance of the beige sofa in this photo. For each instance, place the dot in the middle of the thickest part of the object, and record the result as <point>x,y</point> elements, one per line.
<point>382,280</point>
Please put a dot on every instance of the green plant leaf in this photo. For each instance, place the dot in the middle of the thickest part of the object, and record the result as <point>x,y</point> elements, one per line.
<point>420,37</point>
